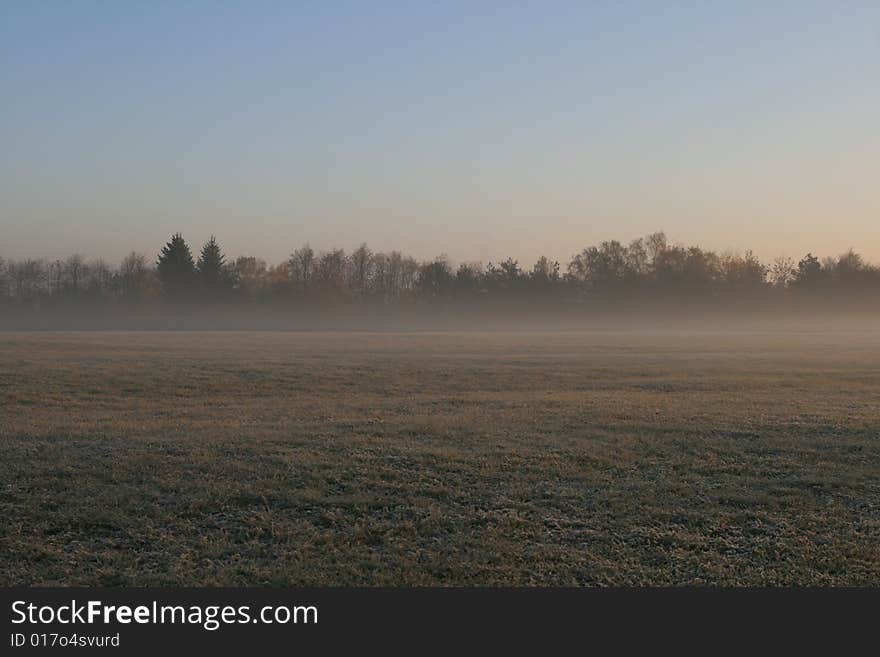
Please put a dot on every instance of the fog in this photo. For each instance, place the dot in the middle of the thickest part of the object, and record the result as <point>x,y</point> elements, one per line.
<point>650,281</point>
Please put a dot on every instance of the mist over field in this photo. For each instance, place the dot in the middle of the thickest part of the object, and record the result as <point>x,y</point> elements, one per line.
<point>649,280</point>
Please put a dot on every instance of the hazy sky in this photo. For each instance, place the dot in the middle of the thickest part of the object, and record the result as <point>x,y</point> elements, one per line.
<point>482,129</point>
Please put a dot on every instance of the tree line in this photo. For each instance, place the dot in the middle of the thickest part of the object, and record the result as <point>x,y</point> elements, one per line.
<point>650,271</point>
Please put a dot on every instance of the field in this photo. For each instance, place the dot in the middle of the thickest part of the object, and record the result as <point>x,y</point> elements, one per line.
<point>594,458</point>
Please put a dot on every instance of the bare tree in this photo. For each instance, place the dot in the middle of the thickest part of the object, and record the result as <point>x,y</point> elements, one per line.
<point>301,267</point>
<point>135,277</point>
<point>74,271</point>
<point>782,272</point>
<point>330,279</point>
<point>655,245</point>
<point>378,283</point>
<point>409,271</point>
<point>98,283</point>
<point>396,281</point>
<point>28,278</point>
<point>636,255</point>
<point>249,275</point>
<point>360,265</point>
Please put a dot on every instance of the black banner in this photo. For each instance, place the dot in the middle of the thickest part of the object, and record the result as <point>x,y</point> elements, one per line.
<point>143,621</point>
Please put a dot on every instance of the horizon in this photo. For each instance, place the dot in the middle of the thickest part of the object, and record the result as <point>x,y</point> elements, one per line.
<point>231,255</point>
<point>491,130</point>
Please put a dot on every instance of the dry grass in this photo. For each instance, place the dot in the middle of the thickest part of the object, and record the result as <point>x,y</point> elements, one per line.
<point>390,459</point>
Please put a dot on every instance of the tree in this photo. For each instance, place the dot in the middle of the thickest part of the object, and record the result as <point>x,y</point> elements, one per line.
<point>655,245</point>
<point>55,278</point>
<point>744,273</point>
<point>250,276</point>
<point>301,267</point>
<point>378,284</point>
<point>468,284</point>
<point>703,270</point>
<point>637,257</point>
<point>600,268</point>
<point>277,282</point>
<point>782,272</point>
<point>544,279</point>
<point>74,270</point>
<point>545,270</point>
<point>401,276</point>
<point>99,283</point>
<point>408,276</point>
<point>214,276</point>
<point>503,280</point>
<point>177,272</point>
<point>330,275</point>
<point>28,278</point>
<point>137,281</point>
<point>809,272</point>
<point>360,265</point>
<point>849,266</point>
<point>435,280</point>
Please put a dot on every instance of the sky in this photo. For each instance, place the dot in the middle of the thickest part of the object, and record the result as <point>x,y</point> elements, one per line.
<point>477,129</point>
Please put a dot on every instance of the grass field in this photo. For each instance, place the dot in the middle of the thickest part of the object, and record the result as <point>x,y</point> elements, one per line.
<point>413,459</point>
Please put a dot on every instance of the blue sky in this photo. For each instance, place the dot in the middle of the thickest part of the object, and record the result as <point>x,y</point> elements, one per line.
<point>482,129</point>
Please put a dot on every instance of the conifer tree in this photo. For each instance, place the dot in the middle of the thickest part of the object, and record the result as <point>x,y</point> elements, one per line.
<point>177,272</point>
<point>212,270</point>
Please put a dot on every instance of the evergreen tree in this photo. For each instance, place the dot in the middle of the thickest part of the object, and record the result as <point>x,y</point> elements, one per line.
<point>213,272</point>
<point>177,272</point>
